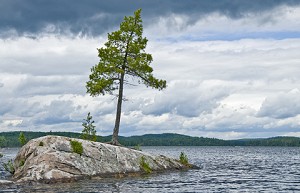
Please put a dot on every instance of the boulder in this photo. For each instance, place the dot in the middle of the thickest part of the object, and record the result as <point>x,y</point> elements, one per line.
<point>52,159</point>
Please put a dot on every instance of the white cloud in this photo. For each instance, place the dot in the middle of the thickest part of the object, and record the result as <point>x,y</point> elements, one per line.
<point>216,25</point>
<point>295,134</point>
<point>47,85</point>
<point>281,105</point>
<point>55,113</point>
<point>13,122</point>
<point>188,98</point>
<point>48,55</point>
<point>225,89</point>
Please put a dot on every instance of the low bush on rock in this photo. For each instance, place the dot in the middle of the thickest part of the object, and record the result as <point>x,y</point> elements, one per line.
<point>145,166</point>
<point>9,166</point>
<point>183,159</point>
<point>137,147</point>
<point>22,162</point>
<point>76,147</point>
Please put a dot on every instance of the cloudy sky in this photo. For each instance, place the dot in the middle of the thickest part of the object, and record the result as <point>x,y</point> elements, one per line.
<point>232,67</point>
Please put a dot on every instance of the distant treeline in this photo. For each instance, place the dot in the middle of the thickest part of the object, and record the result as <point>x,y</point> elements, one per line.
<point>10,139</point>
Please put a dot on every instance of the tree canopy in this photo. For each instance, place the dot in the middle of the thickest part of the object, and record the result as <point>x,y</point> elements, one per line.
<point>123,56</point>
<point>167,139</point>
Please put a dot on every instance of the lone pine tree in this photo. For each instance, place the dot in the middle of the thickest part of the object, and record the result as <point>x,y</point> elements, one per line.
<point>89,131</point>
<point>123,56</point>
<point>22,139</point>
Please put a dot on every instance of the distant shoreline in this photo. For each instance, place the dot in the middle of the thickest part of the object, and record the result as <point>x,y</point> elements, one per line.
<point>166,139</point>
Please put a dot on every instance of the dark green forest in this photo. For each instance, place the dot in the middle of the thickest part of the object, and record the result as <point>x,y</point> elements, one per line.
<point>10,139</point>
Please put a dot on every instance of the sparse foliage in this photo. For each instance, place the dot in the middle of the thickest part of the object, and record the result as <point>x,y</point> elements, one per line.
<point>89,131</point>
<point>2,141</point>
<point>22,162</point>
<point>137,147</point>
<point>22,139</point>
<point>145,166</point>
<point>183,159</point>
<point>76,147</point>
<point>9,166</point>
<point>123,57</point>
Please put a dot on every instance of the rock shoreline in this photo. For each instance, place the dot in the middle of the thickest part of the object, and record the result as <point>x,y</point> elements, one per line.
<point>51,159</point>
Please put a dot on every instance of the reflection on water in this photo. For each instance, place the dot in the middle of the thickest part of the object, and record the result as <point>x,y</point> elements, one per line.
<point>222,169</point>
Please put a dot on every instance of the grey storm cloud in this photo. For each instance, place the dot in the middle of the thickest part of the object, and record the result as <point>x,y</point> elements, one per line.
<point>95,17</point>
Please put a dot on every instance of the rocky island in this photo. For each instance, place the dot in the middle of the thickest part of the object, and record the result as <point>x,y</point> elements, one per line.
<point>53,159</point>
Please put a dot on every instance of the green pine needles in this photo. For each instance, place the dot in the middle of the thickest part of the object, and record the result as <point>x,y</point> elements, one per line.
<point>22,139</point>
<point>122,60</point>
<point>89,131</point>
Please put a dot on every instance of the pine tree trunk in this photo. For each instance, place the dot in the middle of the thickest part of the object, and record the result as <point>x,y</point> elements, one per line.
<point>115,135</point>
<point>114,140</point>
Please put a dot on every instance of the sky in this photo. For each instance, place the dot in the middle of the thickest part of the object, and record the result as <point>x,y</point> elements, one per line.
<point>232,67</point>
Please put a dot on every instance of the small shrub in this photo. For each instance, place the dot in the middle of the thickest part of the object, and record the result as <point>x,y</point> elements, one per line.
<point>9,166</point>
<point>76,147</point>
<point>145,166</point>
<point>41,143</point>
<point>137,147</point>
<point>1,155</point>
<point>22,162</point>
<point>183,159</point>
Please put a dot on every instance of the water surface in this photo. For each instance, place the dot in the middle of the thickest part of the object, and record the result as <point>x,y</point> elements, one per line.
<point>222,169</point>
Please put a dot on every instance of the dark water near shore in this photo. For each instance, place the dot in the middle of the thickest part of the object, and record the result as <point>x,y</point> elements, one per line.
<point>222,169</point>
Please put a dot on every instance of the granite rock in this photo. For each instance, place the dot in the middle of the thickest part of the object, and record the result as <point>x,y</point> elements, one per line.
<point>51,159</point>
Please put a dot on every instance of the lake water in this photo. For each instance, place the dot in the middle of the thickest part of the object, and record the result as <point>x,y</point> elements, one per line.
<point>222,169</point>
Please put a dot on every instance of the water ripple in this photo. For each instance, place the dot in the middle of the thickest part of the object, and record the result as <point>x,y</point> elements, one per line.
<point>222,169</point>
